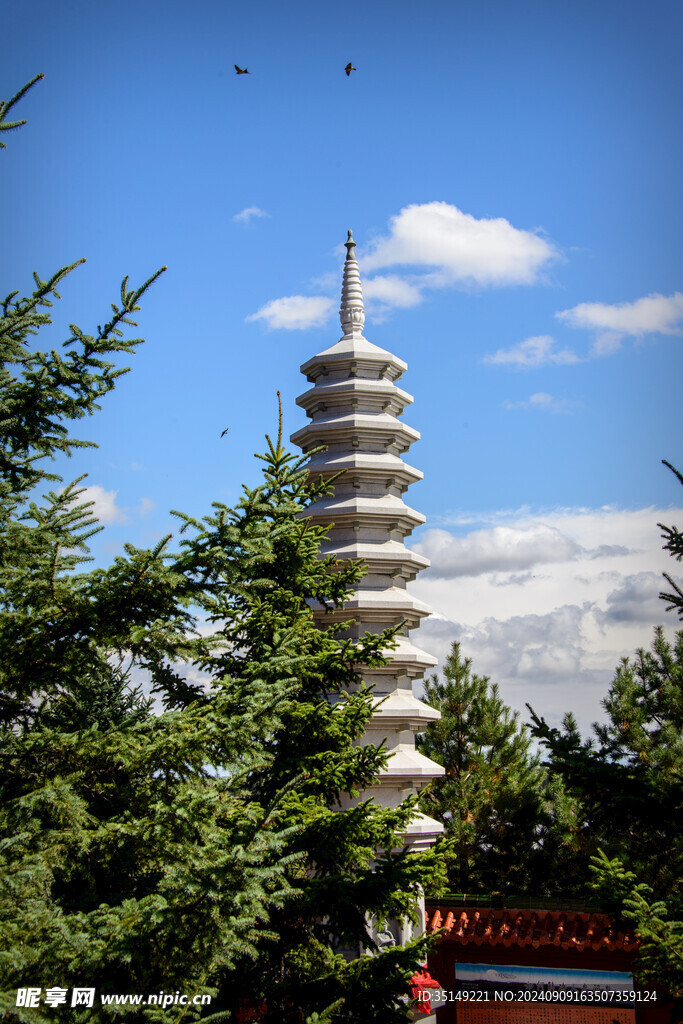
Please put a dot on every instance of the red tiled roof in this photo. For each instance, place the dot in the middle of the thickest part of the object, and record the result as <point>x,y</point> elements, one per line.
<point>534,928</point>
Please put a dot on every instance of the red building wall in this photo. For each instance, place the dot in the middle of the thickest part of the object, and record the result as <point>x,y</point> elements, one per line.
<point>548,939</point>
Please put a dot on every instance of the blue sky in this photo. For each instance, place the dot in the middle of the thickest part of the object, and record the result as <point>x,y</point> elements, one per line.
<point>511,172</point>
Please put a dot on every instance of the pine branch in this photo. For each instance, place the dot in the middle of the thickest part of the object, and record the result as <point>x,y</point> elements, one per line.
<point>6,106</point>
<point>676,599</point>
<point>19,319</point>
<point>679,476</point>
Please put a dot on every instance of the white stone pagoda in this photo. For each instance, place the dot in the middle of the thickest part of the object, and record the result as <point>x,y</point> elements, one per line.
<point>355,407</point>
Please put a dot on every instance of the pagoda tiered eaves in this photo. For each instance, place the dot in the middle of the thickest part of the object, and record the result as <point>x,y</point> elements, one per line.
<point>354,409</point>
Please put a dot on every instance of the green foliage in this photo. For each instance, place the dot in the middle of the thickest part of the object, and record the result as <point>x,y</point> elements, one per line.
<point>203,849</point>
<point>254,571</point>
<point>505,823</point>
<point>660,959</point>
<point>132,856</point>
<point>627,781</point>
<point>6,106</point>
<point>327,1014</point>
<point>674,544</point>
<point>628,784</point>
<point>644,741</point>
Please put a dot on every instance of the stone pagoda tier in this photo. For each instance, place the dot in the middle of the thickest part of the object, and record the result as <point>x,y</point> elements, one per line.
<point>354,407</point>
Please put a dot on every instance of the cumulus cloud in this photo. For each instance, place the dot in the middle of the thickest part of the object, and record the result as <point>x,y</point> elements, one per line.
<point>248,213</point>
<point>636,599</point>
<point>606,344</point>
<point>542,400</point>
<point>608,551</point>
<point>391,290</point>
<point>104,504</point>
<point>501,549</point>
<point>460,248</point>
<point>295,312</point>
<point>513,579</point>
<point>653,314</point>
<point>438,246</point>
<point>554,635</point>
<point>539,658</point>
<point>532,646</point>
<point>537,351</point>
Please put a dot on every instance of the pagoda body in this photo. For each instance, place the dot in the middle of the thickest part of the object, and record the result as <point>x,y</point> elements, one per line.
<point>354,406</point>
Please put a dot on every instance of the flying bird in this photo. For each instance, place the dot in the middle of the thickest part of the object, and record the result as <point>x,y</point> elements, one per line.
<point>241,71</point>
<point>349,68</point>
<point>225,431</point>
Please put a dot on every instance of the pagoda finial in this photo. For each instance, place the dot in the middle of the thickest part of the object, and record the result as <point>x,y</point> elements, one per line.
<point>350,244</point>
<point>352,312</point>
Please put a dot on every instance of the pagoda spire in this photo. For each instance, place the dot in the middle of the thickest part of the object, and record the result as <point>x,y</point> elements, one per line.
<point>357,431</point>
<point>352,311</point>
<point>358,438</point>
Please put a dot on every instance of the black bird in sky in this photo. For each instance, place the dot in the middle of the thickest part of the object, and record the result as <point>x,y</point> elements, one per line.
<point>349,68</point>
<point>241,71</point>
<point>225,431</point>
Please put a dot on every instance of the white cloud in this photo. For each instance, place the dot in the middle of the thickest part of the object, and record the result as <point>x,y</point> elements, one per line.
<point>536,646</point>
<point>538,659</point>
<point>105,507</point>
<point>444,248</point>
<point>653,314</point>
<point>606,344</point>
<point>295,312</point>
<point>460,248</point>
<point>104,504</point>
<point>391,290</point>
<point>537,351</point>
<point>636,599</point>
<point>248,213</point>
<point>501,549</point>
<point>552,637</point>
<point>519,647</point>
<point>542,400</point>
<point>146,506</point>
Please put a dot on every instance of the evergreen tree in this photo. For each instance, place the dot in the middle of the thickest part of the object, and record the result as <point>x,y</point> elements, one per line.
<point>132,857</point>
<point>202,850</point>
<point>628,777</point>
<point>256,571</point>
<point>504,822</point>
<point>645,733</point>
<point>674,544</point>
<point>628,783</point>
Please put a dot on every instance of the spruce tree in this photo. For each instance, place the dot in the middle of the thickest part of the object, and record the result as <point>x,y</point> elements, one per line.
<point>504,820</point>
<point>256,570</point>
<point>133,857</point>
<point>204,849</point>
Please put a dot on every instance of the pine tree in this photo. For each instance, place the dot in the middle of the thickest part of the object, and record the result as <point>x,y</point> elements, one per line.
<point>674,544</point>
<point>628,783</point>
<point>628,776</point>
<point>502,817</point>
<point>644,733</point>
